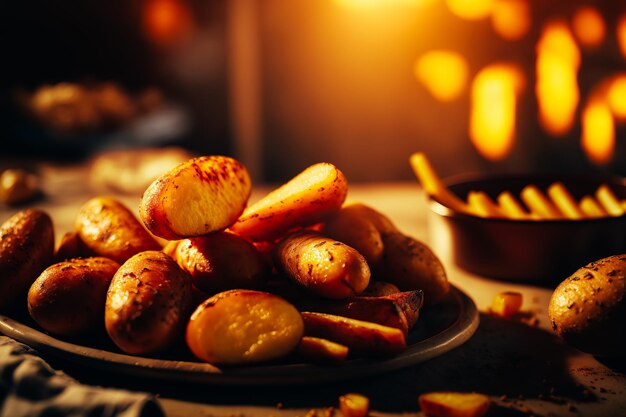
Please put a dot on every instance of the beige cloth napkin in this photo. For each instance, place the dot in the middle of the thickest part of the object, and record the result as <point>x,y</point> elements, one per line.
<point>29,387</point>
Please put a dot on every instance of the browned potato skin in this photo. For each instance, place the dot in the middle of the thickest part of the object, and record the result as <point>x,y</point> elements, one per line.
<point>220,261</point>
<point>380,289</point>
<point>109,229</point>
<point>323,266</point>
<point>148,303</point>
<point>68,297</point>
<point>322,351</point>
<point>26,249</point>
<point>411,265</point>
<point>70,247</point>
<point>588,308</point>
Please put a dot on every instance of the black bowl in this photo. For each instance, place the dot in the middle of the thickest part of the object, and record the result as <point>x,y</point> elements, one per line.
<point>526,250</point>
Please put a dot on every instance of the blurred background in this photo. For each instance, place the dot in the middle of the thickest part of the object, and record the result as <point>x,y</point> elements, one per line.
<point>478,85</point>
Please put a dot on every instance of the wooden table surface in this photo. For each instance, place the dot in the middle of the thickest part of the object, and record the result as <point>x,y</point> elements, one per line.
<point>525,369</point>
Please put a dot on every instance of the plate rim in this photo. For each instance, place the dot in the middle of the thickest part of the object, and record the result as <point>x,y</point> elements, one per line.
<point>452,336</point>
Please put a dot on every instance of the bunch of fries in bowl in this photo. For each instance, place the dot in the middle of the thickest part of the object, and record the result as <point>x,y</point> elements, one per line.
<point>524,227</point>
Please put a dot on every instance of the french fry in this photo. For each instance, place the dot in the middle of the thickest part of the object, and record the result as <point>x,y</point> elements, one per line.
<point>482,205</point>
<point>591,208</point>
<point>433,185</point>
<point>608,201</point>
<point>510,207</point>
<point>564,201</point>
<point>623,203</point>
<point>359,336</point>
<point>539,203</point>
<point>454,404</point>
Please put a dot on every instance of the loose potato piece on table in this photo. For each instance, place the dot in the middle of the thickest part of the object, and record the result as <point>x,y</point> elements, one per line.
<point>148,303</point>
<point>589,307</point>
<point>318,350</point>
<point>354,405</point>
<point>411,265</point>
<point>454,404</point>
<point>221,261</point>
<point>68,297</point>
<point>26,249</point>
<point>244,326</point>
<point>109,229</point>
<point>322,265</point>
<point>306,199</point>
<point>359,336</point>
<point>200,196</point>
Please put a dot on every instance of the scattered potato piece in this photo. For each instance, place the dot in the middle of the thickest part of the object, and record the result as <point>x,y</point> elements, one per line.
<point>323,351</point>
<point>354,405</point>
<point>306,199</point>
<point>454,404</point>
<point>243,326</point>
<point>506,304</point>
<point>360,336</point>
<point>200,196</point>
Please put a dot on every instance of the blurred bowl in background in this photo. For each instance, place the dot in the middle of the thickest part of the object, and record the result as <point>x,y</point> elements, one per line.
<point>544,251</point>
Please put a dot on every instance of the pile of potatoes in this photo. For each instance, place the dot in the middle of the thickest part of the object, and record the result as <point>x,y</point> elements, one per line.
<point>299,272</point>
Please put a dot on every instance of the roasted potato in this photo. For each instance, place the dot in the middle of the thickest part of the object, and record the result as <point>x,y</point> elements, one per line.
<point>108,228</point>
<point>380,289</point>
<point>354,405</point>
<point>359,336</point>
<point>70,246</point>
<point>588,308</point>
<point>26,249</point>
<point>323,351</point>
<point>243,326</point>
<point>68,297</point>
<point>454,404</point>
<point>411,265</point>
<point>220,261</point>
<point>200,196</point>
<point>322,265</point>
<point>148,303</point>
<point>306,199</point>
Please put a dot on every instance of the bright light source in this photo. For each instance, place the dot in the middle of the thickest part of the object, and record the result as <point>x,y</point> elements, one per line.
<point>443,73</point>
<point>589,26</point>
<point>598,132</point>
<point>511,18</point>
<point>617,96</point>
<point>471,9</point>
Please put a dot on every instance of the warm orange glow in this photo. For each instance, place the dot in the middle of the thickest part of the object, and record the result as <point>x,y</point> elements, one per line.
<point>493,107</point>
<point>443,73</point>
<point>621,34</point>
<point>511,18</point>
<point>589,26</point>
<point>616,96</point>
<point>471,9</point>
<point>166,21</point>
<point>558,60</point>
<point>598,132</point>
<point>373,4</point>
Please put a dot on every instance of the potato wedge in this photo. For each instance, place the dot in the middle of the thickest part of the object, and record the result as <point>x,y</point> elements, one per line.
<point>359,336</point>
<point>323,351</point>
<point>399,310</point>
<point>148,303</point>
<point>306,199</point>
<point>68,297</point>
<point>454,404</point>
<point>411,265</point>
<point>26,249</point>
<point>354,405</point>
<point>322,265</point>
<point>221,261</point>
<point>243,326</point>
<point>109,229</point>
<point>200,196</point>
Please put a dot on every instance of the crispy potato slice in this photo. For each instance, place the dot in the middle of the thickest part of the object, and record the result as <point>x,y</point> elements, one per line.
<point>244,326</point>
<point>366,338</point>
<point>399,310</point>
<point>107,228</point>
<point>322,265</point>
<point>318,350</point>
<point>200,196</point>
<point>454,404</point>
<point>354,405</point>
<point>306,199</point>
<point>506,304</point>
<point>26,249</point>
